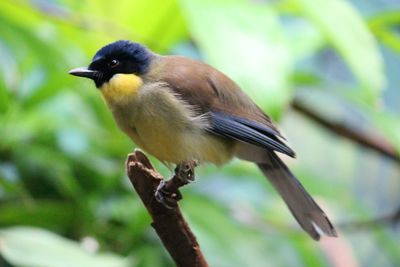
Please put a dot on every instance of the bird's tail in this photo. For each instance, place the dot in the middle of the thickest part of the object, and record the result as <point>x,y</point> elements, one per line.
<point>303,207</point>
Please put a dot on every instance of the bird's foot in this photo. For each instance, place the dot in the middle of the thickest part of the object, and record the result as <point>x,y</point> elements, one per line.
<point>164,195</point>
<point>185,171</point>
<point>167,192</point>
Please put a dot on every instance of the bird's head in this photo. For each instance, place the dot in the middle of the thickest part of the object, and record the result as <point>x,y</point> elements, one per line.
<point>120,57</point>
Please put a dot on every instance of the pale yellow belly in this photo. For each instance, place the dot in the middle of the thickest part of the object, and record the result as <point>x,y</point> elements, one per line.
<point>164,127</point>
<point>173,144</point>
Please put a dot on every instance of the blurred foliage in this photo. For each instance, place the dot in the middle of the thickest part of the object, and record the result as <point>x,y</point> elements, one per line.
<point>62,157</point>
<point>46,250</point>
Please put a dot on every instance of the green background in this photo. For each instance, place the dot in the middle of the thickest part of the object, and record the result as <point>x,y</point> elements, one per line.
<point>65,199</point>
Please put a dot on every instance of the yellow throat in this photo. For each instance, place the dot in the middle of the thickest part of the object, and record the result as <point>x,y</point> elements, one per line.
<point>121,88</point>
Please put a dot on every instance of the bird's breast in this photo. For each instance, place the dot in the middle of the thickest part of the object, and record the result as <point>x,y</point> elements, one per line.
<point>164,126</point>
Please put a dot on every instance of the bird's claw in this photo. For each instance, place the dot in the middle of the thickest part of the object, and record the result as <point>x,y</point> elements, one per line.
<point>185,171</point>
<point>167,192</point>
<point>166,198</point>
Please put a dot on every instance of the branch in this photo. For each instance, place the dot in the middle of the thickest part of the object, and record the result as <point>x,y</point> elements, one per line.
<point>362,138</point>
<point>389,219</point>
<point>169,224</point>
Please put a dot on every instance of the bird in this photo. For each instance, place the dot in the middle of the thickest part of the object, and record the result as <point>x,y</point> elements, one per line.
<point>185,112</point>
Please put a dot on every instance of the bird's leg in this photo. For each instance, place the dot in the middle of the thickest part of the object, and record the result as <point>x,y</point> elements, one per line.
<point>167,192</point>
<point>185,171</point>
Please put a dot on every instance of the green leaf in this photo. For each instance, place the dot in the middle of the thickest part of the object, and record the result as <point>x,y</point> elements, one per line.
<point>50,214</point>
<point>346,31</point>
<point>245,41</point>
<point>141,21</point>
<point>383,25</point>
<point>26,246</point>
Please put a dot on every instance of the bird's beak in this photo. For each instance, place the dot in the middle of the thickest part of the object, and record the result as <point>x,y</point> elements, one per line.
<point>84,72</point>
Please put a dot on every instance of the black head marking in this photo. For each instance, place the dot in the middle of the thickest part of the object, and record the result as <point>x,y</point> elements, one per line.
<point>120,57</point>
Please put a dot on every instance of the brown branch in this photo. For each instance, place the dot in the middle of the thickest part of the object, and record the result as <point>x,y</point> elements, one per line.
<point>169,224</point>
<point>370,141</point>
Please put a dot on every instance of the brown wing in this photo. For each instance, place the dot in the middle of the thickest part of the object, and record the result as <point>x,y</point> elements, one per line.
<point>211,90</point>
<point>230,111</point>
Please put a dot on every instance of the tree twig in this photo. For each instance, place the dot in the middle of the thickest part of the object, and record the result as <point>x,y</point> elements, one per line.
<point>389,219</point>
<point>367,140</point>
<point>169,224</point>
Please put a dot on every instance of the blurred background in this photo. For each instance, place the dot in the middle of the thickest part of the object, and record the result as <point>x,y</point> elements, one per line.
<point>326,71</point>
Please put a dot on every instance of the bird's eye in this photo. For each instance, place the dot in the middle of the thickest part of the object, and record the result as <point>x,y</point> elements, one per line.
<point>113,63</point>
